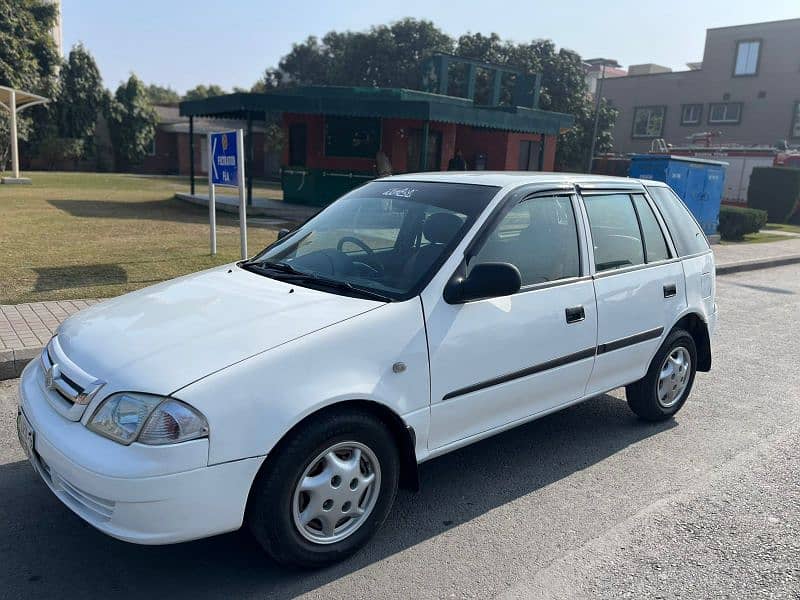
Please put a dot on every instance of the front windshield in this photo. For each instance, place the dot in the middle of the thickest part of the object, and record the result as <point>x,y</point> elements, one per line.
<point>387,237</point>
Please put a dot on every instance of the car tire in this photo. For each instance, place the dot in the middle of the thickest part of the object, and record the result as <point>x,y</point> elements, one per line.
<point>279,506</point>
<point>664,389</point>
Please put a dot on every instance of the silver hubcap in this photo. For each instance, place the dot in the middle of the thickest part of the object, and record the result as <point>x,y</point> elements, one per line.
<point>336,493</point>
<point>674,377</point>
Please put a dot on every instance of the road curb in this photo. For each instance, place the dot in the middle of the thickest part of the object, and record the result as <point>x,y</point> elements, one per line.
<point>759,263</point>
<point>12,362</point>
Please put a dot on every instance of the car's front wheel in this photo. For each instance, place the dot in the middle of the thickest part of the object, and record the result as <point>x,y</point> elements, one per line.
<point>664,389</point>
<point>325,490</point>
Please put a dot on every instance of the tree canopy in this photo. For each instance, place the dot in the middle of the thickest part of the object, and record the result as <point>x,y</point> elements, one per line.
<point>80,95</point>
<point>202,91</point>
<point>132,122</point>
<point>158,94</point>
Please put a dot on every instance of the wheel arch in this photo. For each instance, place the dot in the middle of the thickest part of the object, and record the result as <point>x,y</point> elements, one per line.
<point>696,326</point>
<point>403,434</point>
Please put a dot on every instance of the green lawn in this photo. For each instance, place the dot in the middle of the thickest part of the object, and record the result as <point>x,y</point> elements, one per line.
<point>760,238</point>
<point>90,235</point>
<point>783,227</point>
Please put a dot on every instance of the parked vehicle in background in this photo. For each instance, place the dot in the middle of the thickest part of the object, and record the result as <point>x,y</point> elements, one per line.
<point>298,390</point>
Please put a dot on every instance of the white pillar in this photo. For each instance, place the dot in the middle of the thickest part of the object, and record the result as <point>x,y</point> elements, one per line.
<point>14,149</point>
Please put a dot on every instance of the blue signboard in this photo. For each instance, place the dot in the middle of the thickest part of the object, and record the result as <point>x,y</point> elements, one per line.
<point>224,159</point>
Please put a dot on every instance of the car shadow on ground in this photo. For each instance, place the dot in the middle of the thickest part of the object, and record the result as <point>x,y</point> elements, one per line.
<point>45,549</point>
<point>168,209</point>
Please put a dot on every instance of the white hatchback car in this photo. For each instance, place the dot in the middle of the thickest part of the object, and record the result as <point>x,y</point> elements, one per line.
<point>415,315</point>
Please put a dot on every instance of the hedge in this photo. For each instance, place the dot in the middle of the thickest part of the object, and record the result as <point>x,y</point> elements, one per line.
<point>775,190</point>
<point>735,222</point>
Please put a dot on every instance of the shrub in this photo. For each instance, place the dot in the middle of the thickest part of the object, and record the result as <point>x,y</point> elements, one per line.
<point>775,190</point>
<point>735,222</point>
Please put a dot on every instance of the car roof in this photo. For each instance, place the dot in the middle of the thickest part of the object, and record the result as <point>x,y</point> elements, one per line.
<point>511,178</point>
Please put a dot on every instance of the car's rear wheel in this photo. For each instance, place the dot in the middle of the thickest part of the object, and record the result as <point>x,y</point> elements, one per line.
<point>325,490</point>
<point>664,389</point>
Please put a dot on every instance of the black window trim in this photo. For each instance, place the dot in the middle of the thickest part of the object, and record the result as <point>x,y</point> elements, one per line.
<point>699,117</point>
<point>663,122</point>
<point>711,106</point>
<point>758,58</point>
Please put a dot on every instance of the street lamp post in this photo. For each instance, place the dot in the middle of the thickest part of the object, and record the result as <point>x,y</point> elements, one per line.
<point>603,62</point>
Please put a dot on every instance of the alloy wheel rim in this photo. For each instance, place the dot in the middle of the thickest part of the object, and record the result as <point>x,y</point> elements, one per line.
<point>674,377</point>
<point>336,493</point>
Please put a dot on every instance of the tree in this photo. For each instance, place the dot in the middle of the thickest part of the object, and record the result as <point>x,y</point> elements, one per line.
<point>201,91</point>
<point>386,55</point>
<point>157,94</point>
<point>28,60</point>
<point>132,122</point>
<point>80,96</point>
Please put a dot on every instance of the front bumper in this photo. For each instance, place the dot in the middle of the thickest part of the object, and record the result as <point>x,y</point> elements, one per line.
<point>119,490</point>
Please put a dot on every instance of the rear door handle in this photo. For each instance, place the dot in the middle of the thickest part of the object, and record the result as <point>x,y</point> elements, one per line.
<point>670,290</point>
<point>575,314</point>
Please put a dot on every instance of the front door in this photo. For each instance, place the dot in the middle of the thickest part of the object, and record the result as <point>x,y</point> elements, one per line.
<point>640,288</point>
<point>500,360</point>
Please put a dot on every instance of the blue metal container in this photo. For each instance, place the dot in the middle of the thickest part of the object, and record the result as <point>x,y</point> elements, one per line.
<point>697,181</point>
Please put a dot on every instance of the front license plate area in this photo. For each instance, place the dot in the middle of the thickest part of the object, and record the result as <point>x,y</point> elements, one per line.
<point>25,434</point>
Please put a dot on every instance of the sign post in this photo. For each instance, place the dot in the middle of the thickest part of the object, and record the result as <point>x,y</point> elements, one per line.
<point>226,168</point>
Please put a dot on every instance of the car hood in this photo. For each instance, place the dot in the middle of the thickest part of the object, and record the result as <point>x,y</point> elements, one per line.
<point>164,337</point>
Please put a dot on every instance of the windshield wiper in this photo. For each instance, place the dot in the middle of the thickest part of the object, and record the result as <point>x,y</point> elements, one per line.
<point>294,274</point>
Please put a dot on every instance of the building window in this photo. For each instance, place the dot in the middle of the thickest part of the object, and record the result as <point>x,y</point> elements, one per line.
<point>352,137</point>
<point>691,114</point>
<point>725,112</point>
<point>796,121</point>
<point>648,121</point>
<point>747,53</point>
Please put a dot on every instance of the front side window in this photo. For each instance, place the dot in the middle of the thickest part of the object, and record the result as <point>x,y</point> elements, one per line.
<point>538,236</point>
<point>796,120</point>
<point>686,233</point>
<point>691,114</point>
<point>616,237</point>
<point>648,121</point>
<point>747,58</point>
<point>385,238</point>
<point>725,112</point>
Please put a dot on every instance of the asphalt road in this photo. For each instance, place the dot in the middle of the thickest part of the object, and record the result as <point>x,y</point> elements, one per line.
<point>588,502</point>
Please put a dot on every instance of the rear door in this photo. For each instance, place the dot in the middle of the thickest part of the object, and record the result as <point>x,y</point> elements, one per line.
<point>638,282</point>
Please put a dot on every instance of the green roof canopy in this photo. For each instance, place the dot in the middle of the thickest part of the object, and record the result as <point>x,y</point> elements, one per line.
<point>379,102</point>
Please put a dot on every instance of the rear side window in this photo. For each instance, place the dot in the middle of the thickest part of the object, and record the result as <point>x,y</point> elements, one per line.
<point>686,233</point>
<point>654,242</point>
<point>615,231</point>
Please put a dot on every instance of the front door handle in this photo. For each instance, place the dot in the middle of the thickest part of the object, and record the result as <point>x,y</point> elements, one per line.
<point>670,290</point>
<point>575,314</point>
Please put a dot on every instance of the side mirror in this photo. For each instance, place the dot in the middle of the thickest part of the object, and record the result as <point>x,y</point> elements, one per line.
<point>486,280</point>
<point>282,233</point>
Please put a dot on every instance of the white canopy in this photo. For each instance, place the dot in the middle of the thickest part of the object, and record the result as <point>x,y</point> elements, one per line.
<point>14,101</point>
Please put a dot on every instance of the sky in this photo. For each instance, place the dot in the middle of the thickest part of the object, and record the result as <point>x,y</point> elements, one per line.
<point>181,43</point>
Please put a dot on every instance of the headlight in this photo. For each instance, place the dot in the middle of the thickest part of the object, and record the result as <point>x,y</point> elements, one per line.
<point>154,420</point>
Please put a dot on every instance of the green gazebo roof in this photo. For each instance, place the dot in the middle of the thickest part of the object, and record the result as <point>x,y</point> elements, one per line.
<point>379,102</point>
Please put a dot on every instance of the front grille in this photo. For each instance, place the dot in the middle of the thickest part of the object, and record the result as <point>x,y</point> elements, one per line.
<point>68,387</point>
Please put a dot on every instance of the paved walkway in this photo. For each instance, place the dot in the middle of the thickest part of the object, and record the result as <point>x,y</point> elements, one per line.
<point>25,328</point>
